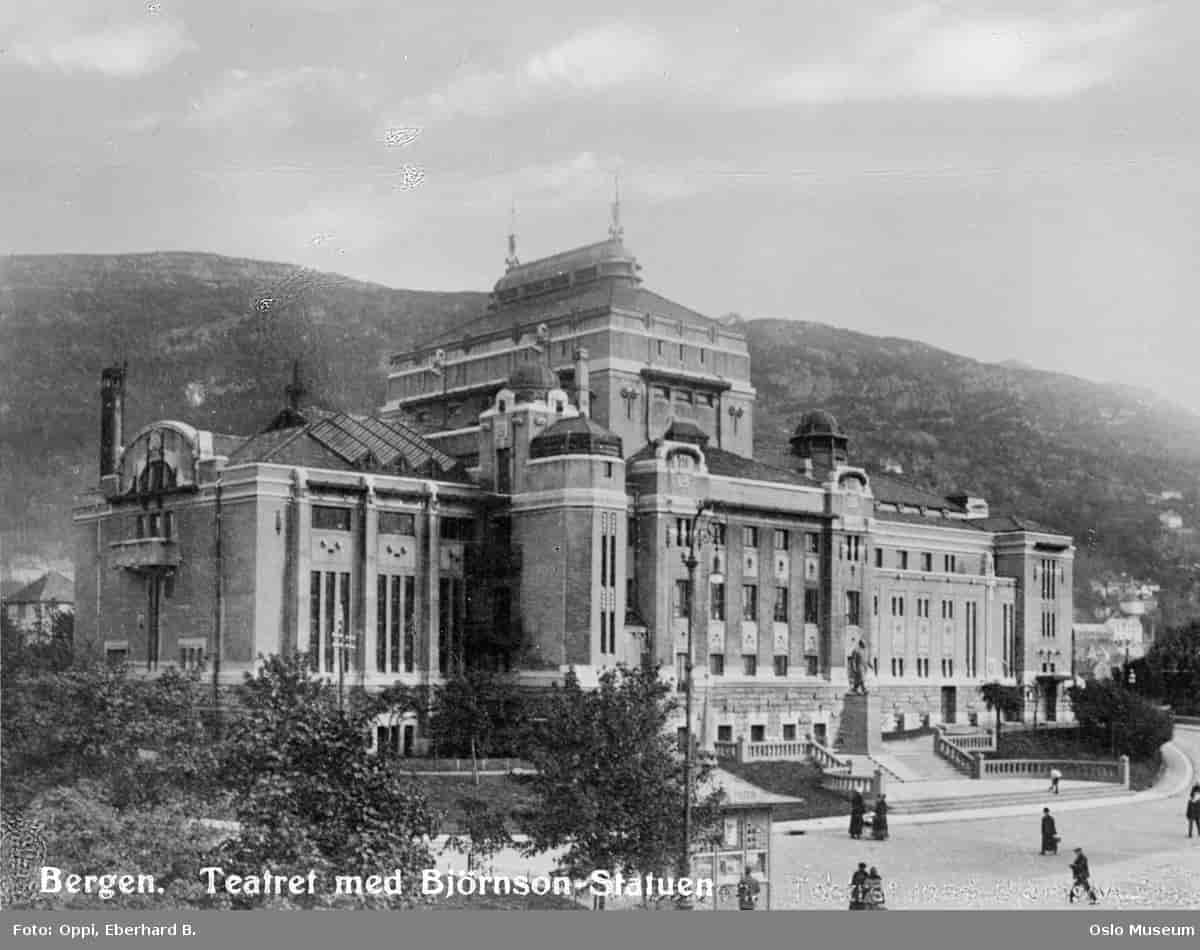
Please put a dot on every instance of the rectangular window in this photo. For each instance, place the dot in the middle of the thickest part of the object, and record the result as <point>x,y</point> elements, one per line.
<point>947,610</point>
<point>681,673</point>
<point>716,666</point>
<point>381,626</point>
<point>757,734</point>
<point>346,646</point>
<point>397,522</point>
<point>154,526</point>
<point>717,530</point>
<point>119,656</point>
<point>897,666</point>
<point>314,618</point>
<point>902,560</point>
<point>812,544</point>
<point>781,538</point>
<point>851,548</point>
<point>812,606</point>
<point>330,620</point>
<point>853,608</point>
<point>749,601</point>
<point>878,559</point>
<point>781,666</point>
<point>724,734</point>
<point>781,605</point>
<point>168,524</point>
<point>926,561</point>
<point>789,734</point>
<point>456,529</point>
<point>328,518</point>
<point>683,532</point>
<point>395,627</point>
<point>950,562</point>
<point>410,626</point>
<point>660,353</point>
<point>749,539</point>
<point>682,598</point>
<point>139,531</point>
<point>812,665</point>
<point>716,602</point>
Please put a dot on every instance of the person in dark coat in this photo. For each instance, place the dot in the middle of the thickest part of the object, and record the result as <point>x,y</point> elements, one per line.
<point>858,887</point>
<point>747,891</point>
<point>874,893</point>
<point>858,808</point>
<point>1193,810</point>
<point>1049,833</point>
<point>1081,878</point>
<point>879,825</point>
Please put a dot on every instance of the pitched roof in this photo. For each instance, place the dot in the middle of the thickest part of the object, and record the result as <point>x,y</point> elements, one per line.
<point>1003,523</point>
<point>728,465</point>
<point>51,588</point>
<point>600,294</point>
<point>888,488</point>
<point>346,442</point>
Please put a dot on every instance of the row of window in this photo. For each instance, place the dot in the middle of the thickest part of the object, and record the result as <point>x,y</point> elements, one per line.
<point>716,666</point>
<point>154,524</point>
<point>781,610</point>
<point>949,562</point>
<point>899,602</point>
<point>661,349</point>
<point>337,518</point>
<point>781,538</point>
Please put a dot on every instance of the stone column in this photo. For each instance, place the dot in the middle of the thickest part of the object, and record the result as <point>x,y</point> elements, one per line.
<point>301,541</point>
<point>432,574</point>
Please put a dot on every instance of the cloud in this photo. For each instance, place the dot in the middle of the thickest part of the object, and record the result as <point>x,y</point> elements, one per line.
<point>595,60</point>
<point>927,52</point>
<point>121,51</point>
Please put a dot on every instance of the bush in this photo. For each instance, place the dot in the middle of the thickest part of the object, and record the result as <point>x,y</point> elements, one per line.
<point>1132,726</point>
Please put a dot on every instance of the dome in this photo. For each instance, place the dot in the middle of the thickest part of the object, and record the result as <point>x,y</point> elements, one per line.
<point>578,435</point>
<point>533,378</point>
<point>818,422</point>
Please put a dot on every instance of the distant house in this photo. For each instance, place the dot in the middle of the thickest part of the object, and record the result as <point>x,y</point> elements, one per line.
<point>1101,646</point>
<point>32,608</point>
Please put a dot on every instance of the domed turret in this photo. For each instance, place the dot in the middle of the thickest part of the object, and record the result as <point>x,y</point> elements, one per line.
<point>578,435</point>
<point>532,380</point>
<point>819,441</point>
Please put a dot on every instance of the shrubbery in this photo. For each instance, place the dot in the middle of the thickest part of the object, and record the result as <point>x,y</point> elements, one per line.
<point>1131,725</point>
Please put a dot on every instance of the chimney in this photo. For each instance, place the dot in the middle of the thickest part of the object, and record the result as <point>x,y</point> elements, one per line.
<point>583,395</point>
<point>112,417</point>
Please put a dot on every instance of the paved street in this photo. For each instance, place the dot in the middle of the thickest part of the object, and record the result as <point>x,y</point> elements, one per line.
<point>1139,853</point>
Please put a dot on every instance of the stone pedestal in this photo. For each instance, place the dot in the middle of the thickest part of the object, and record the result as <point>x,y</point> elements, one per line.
<point>860,731</point>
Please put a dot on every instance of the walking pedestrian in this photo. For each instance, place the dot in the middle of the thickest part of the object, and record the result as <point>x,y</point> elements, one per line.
<point>858,808</point>
<point>747,891</point>
<point>874,894</point>
<point>1055,778</point>
<point>1193,810</point>
<point>1049,833</point>
<point>879,824</point>
<point>1081,878</point>
<point>858,887</point>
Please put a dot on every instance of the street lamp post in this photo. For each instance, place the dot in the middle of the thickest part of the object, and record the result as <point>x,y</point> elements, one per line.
<point>690,561</point>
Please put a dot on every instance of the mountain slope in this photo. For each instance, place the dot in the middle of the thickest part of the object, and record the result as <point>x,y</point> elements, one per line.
<point>211,339</point>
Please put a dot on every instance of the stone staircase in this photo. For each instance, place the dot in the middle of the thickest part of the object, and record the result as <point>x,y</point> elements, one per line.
<point>929,797</point>
<point>913,760</point>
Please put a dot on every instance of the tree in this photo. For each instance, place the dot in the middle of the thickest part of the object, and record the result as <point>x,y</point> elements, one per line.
<point>474,713</point>
<point>608,776</point>
<point>1000,699</point>
<point>310,795</point>
<point>484,833</point>
<point>1131,726</point>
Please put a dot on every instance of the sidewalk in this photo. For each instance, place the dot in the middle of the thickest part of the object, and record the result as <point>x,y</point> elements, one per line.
<point>1178,773</point>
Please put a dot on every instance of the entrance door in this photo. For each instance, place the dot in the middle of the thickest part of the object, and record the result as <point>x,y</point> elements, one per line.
<point>410,735</point>
<point>1051,692</point>
<point>820,736</point>
<point>949,704</point>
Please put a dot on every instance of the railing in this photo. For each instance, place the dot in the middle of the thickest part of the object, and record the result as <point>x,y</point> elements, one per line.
<point>958,757</point>
<point>970,742</point>
<point>1079,769</point>
<point>846,784</point>
<point>782,750</point>
<point>825,760</point>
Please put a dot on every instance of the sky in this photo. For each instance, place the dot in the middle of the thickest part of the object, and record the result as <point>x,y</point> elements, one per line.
<point>1007,179</point>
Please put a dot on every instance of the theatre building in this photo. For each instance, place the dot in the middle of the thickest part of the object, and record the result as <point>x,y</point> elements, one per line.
<point>527,499</point>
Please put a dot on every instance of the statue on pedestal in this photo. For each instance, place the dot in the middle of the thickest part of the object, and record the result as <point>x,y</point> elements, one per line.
<point>856,668</point>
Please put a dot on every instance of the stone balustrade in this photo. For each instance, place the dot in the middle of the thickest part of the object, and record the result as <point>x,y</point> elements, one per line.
<point>1077,769</point>
<point>957,756</point>
<point>781,750</point>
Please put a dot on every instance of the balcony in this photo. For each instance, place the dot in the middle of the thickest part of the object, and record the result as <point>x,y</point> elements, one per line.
<point>142,554</point>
